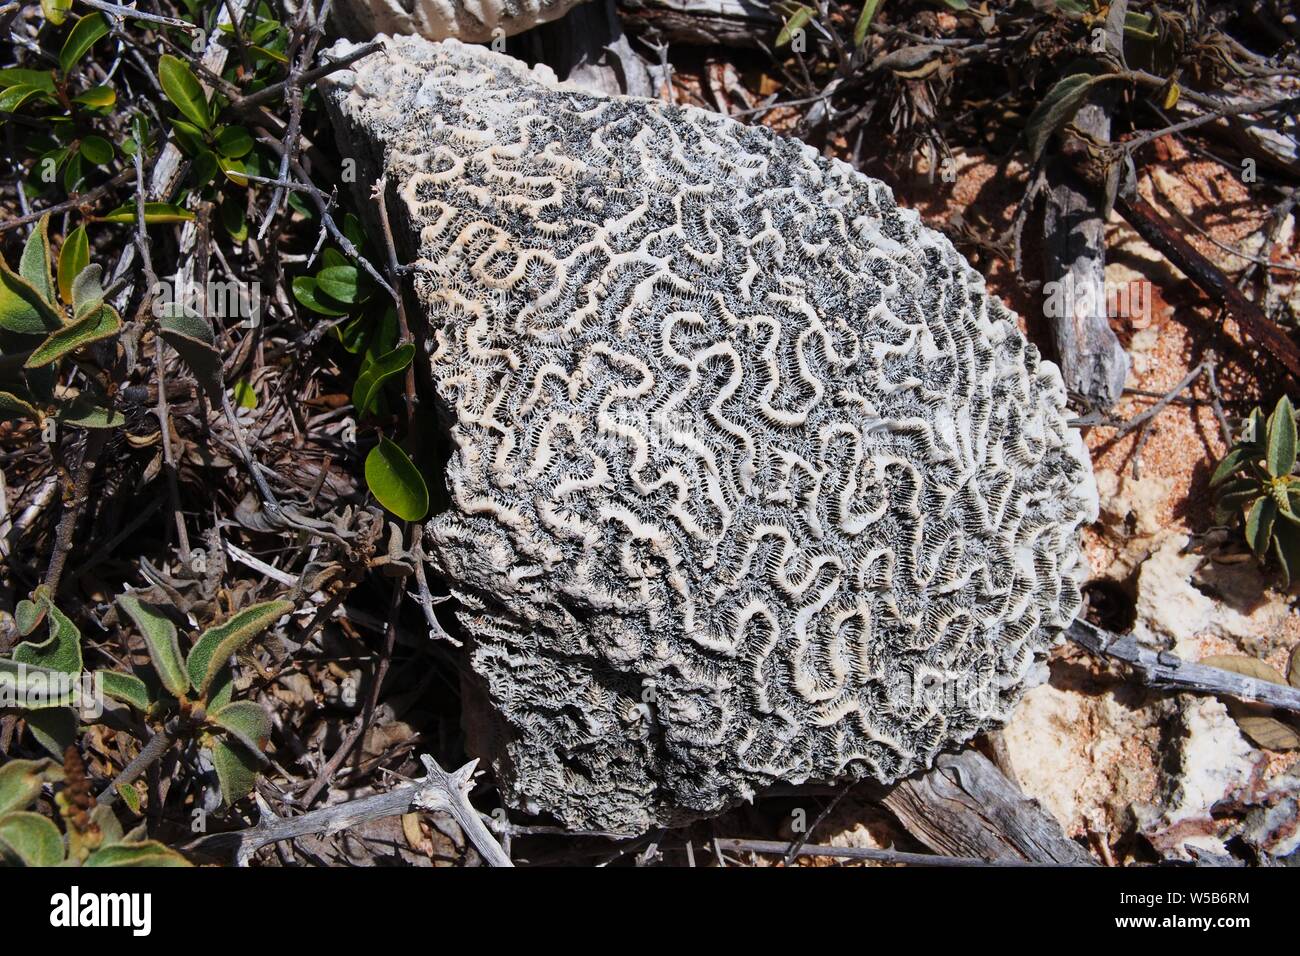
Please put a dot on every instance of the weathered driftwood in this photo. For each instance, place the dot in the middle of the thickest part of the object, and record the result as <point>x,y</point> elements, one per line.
<point>1093,363</point>
<point>780,848</point>
<point>437,791</point>
<point>965,807</point>
<point>1165,671</point>
<point>738,23</point>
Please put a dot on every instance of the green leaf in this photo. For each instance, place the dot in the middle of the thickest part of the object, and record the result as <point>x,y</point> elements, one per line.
<point>204,168</point>
<point>341,283</point>
<point>1259,525</point>
<point>42,80</point>
<point>11,407</point>
<point>80,39</point>
<point>395,482</point>
<point>22,307</point>
<point>234,142</point>
<point>145,853</point>
<point>28,616</point>
<point>189,137</point>
<point>216,645</point>
<point>235,220</point>
<point>87,292</point>
<point>159,635</point>
<point>154,213</point>
<point>85,412</point>
<point>194,341</point>
<point>869,9</point>
<point>1281,439</point>
<point>56,11</point>
<point>236,770</point>
<point>95,327</point>
<point>55,728</point>
<point>130,796</point>
<point>244,395</point>
<point>1286,547</point>
<point>73,257</point>
<point>34,266</point>
<point>1238,457</point>
<point>370,381</point>
<point>183,89</point>
<point>246,721</point>
<point>797,21</point>
<point>30,839</point>
<point>21,780</point>
<point>97,97</point>
<point>61,650</point>
<point>127,688</point>
<point>97,150</point>
<point>14,97</point>
<point>305,291</point>
<point>1058,108</point>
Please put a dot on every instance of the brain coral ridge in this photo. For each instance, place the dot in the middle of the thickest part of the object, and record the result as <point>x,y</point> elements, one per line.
<point>751,482</point>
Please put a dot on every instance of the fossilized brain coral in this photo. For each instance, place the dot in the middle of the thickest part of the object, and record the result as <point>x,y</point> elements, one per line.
<point>751,482</point>
<point>476,21</point>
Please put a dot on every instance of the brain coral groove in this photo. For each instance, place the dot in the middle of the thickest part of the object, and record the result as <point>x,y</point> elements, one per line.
<point>752,481</point>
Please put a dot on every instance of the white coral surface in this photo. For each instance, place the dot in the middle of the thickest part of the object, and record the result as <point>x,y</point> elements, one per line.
<point>752,482</point>
<point>476,21</point>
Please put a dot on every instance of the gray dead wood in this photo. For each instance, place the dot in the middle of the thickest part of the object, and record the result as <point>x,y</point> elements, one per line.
<point>587,47</point>
<point>736,23</point>
<point>780,848</point>
<point>1093,363</point>
<point>1165,671</point>
<point>965,807</point>
<point>437,791</point>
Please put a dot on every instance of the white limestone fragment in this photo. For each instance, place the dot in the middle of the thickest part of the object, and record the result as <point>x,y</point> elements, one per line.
<point>752,481</point>
<point>472,21</point>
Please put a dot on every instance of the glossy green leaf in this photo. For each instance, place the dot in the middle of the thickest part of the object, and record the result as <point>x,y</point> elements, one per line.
<point>145,853</point>
<point>30,839</point>
<point>395,481</point>
<point>127,688</point>
<point>21,781</point>
<point>306,292</point>
<point>83,35</point>
<point>342,284</point>
<point>154,213</point>
<point>12,99</point>
<point>42,80</point>
<point>56,11</point>
<point>246,721</point>
<point>1281,439</point>
<point>160,638</point>
<point>94,327</point>
<point>218,643</point>
<point>184,90</point>
<point>236,770</point>
<point>97,150</point>
<point>372,379</point>
<point>97,97</point>
<point>234,142</point>
<point>244,395</point>
<point>868,14</point>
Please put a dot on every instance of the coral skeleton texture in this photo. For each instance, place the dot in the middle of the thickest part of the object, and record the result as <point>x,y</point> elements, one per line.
<point>751,481</point>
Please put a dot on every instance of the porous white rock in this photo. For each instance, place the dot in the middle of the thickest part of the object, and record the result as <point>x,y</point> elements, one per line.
<point>751,480</point>
<point>473,21</point>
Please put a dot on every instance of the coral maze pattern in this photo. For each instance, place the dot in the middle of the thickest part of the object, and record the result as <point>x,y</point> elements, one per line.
<point>752,481</point>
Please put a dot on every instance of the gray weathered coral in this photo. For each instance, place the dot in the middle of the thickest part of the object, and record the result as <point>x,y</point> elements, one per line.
<point>751,480</point>
<point>469,20</point>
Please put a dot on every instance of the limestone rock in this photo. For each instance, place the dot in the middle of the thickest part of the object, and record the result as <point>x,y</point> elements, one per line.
<point>751,482</point>
<point>473,21</point>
